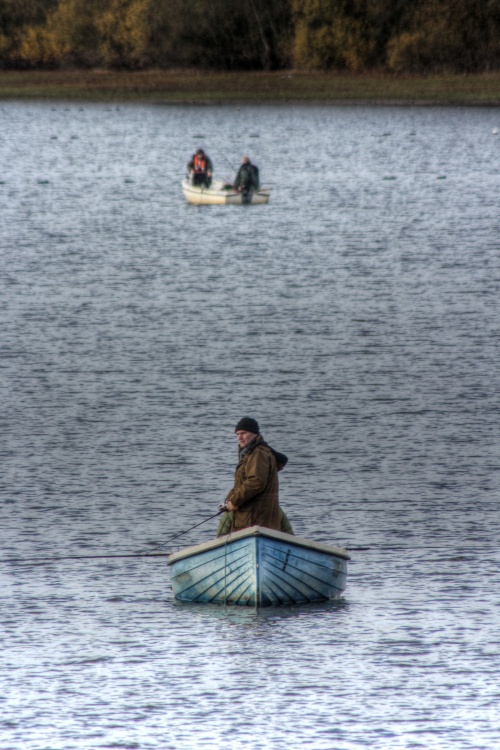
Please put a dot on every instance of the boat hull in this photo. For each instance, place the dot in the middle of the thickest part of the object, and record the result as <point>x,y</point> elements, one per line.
<point>216,195</point>
<point>259,567</point>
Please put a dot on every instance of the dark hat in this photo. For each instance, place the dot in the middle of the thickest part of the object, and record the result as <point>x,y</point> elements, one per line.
<point>247,424</point>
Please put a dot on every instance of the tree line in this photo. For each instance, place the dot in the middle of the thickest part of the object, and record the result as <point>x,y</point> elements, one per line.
<point>403,36</point>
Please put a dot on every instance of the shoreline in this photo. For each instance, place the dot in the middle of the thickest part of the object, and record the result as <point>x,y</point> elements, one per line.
<point>223,88</point>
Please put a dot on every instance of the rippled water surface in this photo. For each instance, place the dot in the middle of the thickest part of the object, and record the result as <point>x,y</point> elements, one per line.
<point>356,316</point>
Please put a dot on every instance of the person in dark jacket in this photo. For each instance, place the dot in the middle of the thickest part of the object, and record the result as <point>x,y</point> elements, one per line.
<point>247,179</point>
<point>200,168</point>
<point>254,500</point>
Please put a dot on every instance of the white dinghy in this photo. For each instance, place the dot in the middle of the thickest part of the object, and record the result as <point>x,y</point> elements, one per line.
<point>221,193</point>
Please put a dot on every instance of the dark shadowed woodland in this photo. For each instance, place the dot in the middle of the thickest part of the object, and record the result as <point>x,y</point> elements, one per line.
<point>401,36</point>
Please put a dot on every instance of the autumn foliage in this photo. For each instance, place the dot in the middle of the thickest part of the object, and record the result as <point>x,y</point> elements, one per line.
<point>414,36</point>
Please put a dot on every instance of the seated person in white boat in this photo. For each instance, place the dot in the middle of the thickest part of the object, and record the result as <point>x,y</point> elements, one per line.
<point>253,501</point>
<point>200,168</point>
<point>247,179</point>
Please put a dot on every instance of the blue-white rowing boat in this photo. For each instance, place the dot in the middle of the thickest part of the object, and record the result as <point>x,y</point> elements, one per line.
<point>259,567</point>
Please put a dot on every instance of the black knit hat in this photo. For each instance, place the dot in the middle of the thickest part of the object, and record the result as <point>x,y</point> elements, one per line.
<point>247,424</point>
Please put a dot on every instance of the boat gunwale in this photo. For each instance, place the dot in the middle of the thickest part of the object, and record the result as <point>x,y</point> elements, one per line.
<point>189,188</point>
<point>256,531</point>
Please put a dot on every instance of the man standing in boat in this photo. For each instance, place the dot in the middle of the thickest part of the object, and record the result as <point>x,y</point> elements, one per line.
<point>247,179</point>
<point>200,168</point>
<point>253,500</point>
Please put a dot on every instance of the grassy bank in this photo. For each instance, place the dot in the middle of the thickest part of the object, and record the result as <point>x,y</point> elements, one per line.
<point>171,87</point>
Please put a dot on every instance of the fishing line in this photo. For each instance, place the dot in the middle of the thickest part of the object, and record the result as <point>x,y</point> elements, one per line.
<point>44,560</point>
<point>153,553</point>
<point>149,553</point>
<point>408,548</point>
<point>225,571</point>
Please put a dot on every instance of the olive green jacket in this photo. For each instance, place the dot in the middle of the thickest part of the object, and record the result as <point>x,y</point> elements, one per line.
<point>226,521</point>
<point>255,491</point>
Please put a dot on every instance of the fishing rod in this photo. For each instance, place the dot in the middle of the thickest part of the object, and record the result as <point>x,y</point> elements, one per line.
<point>176,536</point>
<point>225,159</point>
<point>149,553</point>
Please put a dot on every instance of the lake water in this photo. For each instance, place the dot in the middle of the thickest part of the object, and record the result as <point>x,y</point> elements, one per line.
<point>356,316</point>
